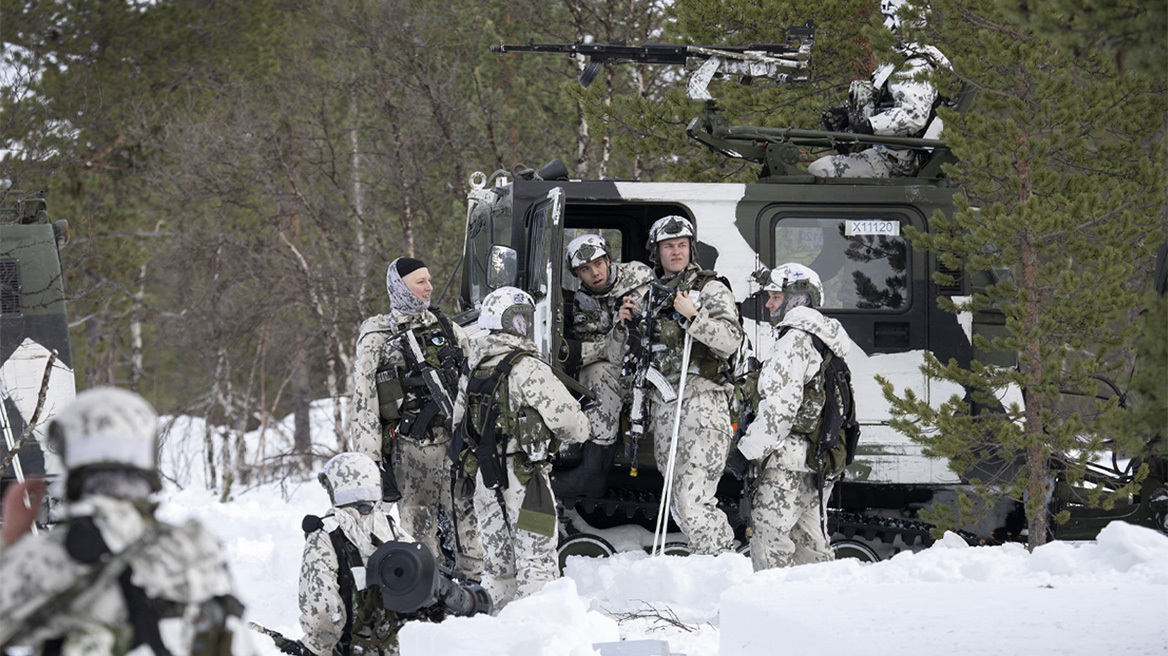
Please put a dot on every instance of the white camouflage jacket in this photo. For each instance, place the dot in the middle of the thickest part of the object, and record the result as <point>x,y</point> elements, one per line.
<point>531,384</point>
<point>791,364</point>
<point>182,568</point>
<point>373,351</point>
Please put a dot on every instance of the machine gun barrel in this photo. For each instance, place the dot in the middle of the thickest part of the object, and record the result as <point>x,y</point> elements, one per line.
<point>778,62</point>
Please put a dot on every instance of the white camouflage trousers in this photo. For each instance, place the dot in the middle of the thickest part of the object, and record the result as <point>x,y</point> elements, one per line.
<point>786,513</point>
<point>603,377</point>
<point>423,477</point>
<point>516,563</point>
<point>702,445</point>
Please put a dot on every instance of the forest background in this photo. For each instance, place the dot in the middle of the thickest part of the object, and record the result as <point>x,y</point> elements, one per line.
<point>237,174</point>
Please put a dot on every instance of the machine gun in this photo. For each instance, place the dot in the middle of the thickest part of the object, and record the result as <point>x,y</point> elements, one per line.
<point>638,363</point>
<point>779,63</point>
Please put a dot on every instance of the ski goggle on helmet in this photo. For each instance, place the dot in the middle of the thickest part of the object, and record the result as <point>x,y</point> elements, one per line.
<point>669,227</point>
<point>508,309</point>
<point>585,249</point>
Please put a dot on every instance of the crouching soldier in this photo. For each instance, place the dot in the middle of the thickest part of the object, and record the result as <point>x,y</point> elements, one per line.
<point>113,579</point>
<point>515,411</point>
<point>339,613</point>
<point>405,378</point>
<point>589,319</point>
<point>788,510</point>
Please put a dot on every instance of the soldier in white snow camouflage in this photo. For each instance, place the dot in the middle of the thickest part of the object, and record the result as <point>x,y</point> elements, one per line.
<point>400,422</point>
<point>339,613</point>
<point>894,102</point>
<point>514,400</point>
<point>786,510</point>
<point>703,307</point>
<point>113,579</point>
<point>589,319</point>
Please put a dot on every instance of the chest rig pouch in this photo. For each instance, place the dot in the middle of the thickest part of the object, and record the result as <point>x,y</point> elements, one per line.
<point>669,333</point>
<point>404,399</point>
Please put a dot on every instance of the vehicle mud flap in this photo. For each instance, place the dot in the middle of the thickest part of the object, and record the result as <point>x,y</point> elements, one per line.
<point>538,512</point>
<point>589,478</point>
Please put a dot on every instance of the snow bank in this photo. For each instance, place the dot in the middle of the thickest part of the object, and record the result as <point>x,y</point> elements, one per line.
<point>1088,598</point>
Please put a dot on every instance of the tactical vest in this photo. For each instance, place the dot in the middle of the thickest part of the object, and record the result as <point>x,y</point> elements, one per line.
<point>588,318</point>
<point>440,352</point>
<point>369,628</point>
<point>667,331</point>
<point>489,424</point>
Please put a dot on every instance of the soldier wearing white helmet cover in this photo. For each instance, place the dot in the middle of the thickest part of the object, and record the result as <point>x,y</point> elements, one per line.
<point>113,579</point>
<point>893,102</point>
<point>511,412</point>
<point>703,308</point>
<point>590,317</point>
<point>786,510</point>
<point>339,612</point>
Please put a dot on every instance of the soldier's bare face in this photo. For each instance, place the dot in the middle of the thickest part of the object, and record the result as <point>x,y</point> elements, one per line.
<point>594,274</point>
<point>774,302</point>
<point>674,254</point>
<point>418,282</point>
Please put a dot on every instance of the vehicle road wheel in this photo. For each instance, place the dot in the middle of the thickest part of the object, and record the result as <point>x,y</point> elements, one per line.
<point>584,544</point>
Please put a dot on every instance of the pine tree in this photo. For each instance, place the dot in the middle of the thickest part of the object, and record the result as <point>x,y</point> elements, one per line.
<point>1062,159</point>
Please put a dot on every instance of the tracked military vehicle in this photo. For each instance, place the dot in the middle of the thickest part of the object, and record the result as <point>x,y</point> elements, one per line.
<point>36,363</point>
<point>851,231</point>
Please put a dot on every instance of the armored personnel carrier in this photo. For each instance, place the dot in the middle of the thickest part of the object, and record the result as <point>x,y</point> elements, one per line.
<point>851,231</point>
<point>36,363</point>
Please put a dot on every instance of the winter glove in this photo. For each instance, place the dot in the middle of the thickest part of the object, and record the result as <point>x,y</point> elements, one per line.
<point>863,127</point>
<point>737,464</point>
<point>296,648</point>
<point>835,119</point>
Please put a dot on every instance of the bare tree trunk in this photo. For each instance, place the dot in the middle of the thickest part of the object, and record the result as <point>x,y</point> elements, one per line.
<point>136,363</point>
<point>302,439</point>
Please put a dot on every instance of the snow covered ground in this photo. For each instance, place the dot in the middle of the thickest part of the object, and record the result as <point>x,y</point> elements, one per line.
<point>1108,596</point>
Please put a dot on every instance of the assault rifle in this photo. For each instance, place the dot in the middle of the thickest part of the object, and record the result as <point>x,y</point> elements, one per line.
<point>440,402</point>
<point>779,63</point>
<point>638,363</point>
<point>285,644</point>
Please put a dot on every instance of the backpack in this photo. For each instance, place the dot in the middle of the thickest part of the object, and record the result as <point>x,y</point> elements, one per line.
<point>833,443</point>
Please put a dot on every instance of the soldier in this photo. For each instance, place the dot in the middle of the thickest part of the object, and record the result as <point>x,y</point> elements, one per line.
<point>590,319</point>
<point>339,612</point>
<point>703,308</point>
<point>113,579</point>
<point>515,412</point>
<point>405,376</point>
<point>894,102</point>
<point>786,509</point>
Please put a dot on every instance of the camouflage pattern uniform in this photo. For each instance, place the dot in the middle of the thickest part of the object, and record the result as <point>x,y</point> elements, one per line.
<point>182,571</point>
<point>421,465</point>
<point>594,315</point>
<point>517,563</point>
<point>895,103</point>
<point>703,439</point>
<point>142,586</point>
<point>324,612</point>
<point>785,510</point>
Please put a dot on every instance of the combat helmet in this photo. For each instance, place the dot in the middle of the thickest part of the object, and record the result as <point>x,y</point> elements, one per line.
<point>111,432</point>
<point>799,283</point>
<point>351,478</point>
<point>588,248</point>
<point>671,227</point>
<point>508,309</point>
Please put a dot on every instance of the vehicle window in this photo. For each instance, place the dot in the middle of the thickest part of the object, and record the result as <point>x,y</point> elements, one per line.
<point>862,260</point>
<point>490,223</point>
<point>537,250</point>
